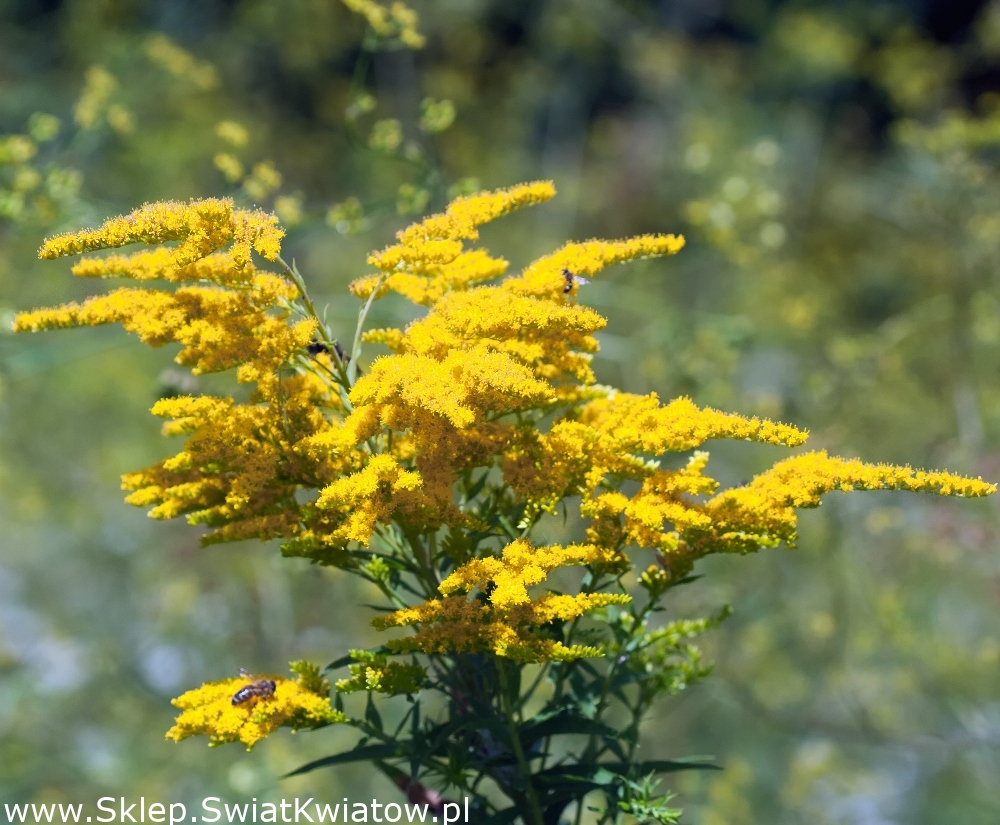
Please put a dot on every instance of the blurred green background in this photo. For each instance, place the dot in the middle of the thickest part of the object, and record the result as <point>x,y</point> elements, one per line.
<point>834,166</point>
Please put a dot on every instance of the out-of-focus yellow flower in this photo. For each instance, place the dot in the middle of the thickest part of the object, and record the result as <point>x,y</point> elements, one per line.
<point>229,165</point>
<point>411,200</point>
<point>43,127</point>
<point>396,21</point>
<point>346,217</point>
<point>25,179</point>
<point>361,105</point>
<point>386,135</point>
<point>289,209</point>
<point>914,71</point>
<point>166,54</point>
<point>263,180</point>
<point>818,43</point>
<point>63,184</point>
<point>233,133</point>
<point>16,149</point>
<point>98,86</point>
<point>120,119</point>
<point>436,115</point>
<point>209,710</point>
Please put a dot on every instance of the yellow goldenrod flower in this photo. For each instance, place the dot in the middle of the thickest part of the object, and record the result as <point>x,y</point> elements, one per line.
<point>369,496</point>
<point>459,625</point>
<point>520,567</point>
<point>202,226</point>
<point>546,276</point>
<point>210,710</point>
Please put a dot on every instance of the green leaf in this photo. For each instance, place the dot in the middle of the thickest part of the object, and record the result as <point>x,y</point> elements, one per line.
<point>477,487</point>
<point>605,772</point>
<point>372,716</point>
<point>438,736</point>
<point>686,580</point>
<point>343,661</point>
<point>364,753</point>
<point>565,724</point>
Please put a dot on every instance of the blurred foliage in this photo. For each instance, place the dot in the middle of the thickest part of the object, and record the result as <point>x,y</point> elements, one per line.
<point>835,167</point>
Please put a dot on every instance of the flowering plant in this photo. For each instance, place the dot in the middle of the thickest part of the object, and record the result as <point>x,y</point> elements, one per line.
<point>429,475</point>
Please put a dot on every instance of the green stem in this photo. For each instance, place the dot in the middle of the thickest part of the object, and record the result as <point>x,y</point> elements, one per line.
<point>352,362</point>
<point>324,334</point>
<point>523,769</point>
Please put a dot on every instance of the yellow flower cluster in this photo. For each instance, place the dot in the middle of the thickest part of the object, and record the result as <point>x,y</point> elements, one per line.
<point>521,566</point>
<point>201,226</point>
<point>430,259</point>
<point>457,625</point>
<point>297,704</point>
<point>664,514</point>
<point>233,316</point>
<point>505,620</point>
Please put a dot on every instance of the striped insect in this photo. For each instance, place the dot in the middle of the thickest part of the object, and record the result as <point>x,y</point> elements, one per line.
<point>259,688</point>
<point>571,280</point>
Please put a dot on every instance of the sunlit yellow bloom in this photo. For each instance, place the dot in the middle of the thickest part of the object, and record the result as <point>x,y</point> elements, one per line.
<point>438,238</point>
<point>520,567</point>
<point>639,422</point>
<point>458,624</point>
<point>762,513</point>
<point>434,282</point>
<point>159,263</point>
<point>368,497</point>
<point>296,704</point>
<point>218,328</point>
<point>546,276</point>
<point>202,227</point>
